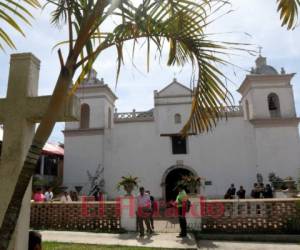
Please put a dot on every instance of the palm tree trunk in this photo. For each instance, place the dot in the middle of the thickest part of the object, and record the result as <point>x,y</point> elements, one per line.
<point>43,132</point>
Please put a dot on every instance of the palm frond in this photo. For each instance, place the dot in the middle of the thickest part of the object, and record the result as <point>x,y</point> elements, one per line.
<point>11,14</point>
<point>288,10</point>
<point>180,23</point>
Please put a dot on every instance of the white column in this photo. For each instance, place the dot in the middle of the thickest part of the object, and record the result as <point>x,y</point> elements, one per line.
<point>128,213</point>
<point>193,217</point>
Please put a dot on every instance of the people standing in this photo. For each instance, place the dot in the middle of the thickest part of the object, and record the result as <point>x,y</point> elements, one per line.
<point>241,193</point>
<point>143,212</point>
<point>268,193</point>
<point>38,195</point>
<point>74,196</point>
<point>151,220</point>
<point>255,193</point>
<point>48,194</point>
<point>181,208</point>
<point>230,194</point>
<point>65,197</point>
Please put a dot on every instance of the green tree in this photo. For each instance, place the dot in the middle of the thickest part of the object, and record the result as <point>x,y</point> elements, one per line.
<point>11,13</point>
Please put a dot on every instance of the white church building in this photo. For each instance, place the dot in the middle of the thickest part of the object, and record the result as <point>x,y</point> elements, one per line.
<point>259,136</point>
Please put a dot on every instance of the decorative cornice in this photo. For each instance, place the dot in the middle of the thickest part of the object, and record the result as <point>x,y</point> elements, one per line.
<point>259,78</point>
<point>275,122</point>
<point>134,120</point>
<point>176,134</point>
<point>274,88</point>
<point>25,56</point>
<point>172,96</point>
<point>172,103</point>
<point>89,131</point>
<point>97,96</point>
<point>105,87</point>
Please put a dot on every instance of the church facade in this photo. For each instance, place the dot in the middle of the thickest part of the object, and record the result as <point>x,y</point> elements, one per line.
<point>258,137</point>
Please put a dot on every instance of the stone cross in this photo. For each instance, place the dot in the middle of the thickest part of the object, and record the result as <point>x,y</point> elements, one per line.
<point>19,113</point>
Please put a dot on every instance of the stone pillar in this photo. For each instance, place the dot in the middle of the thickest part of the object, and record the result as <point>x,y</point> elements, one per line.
<point>128,213</point>
<point>18,134</point>
<point>193,217</point>
<point>19,112</point>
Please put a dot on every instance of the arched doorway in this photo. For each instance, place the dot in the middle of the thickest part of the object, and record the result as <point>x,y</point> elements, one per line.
<point>171,178</point>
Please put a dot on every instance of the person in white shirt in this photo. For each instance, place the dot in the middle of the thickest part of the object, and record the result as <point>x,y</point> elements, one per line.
<point>144,211</point>
<point>49,194</point>
<point>65,198</point>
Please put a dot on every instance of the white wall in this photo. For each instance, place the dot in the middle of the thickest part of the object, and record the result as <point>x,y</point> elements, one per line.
<point>164,117</point>
<point>233,153</point>
<point>82,153</point>
<point>260,102</point>
<point>225,156</point>
<point>278,150</point>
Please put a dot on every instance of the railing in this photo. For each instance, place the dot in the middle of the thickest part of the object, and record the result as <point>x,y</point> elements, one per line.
<point>149,115</point>
<point>232,110</point>
<point>252,216</point>
<point>76,216</point>
<point>134,116</point>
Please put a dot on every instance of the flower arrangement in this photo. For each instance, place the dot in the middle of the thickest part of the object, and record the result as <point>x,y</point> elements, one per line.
<point>190,182</point>
<point>128,183</point>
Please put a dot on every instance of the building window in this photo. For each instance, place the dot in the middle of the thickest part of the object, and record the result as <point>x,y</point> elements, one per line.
<point>178,145</point>
<point>85,116</point>
<point>274,105</point>
<point>177,118</point>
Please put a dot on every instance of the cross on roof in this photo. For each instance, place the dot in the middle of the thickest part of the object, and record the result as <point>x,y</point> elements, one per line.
<point>260,50</point>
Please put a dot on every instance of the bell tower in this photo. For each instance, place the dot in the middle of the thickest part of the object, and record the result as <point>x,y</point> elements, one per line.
<point>267,94</point>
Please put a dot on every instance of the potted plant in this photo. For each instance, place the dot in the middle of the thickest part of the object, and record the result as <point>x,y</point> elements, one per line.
<point>191,183</point>
<point>277,182</point>
<point>290,183</point>
<point>128,183</point>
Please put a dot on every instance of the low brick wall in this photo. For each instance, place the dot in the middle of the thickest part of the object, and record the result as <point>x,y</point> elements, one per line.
<point>252,216</point>
<point>77,216</point>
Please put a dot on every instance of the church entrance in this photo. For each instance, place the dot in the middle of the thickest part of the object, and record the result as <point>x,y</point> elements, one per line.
<point>171,181</point>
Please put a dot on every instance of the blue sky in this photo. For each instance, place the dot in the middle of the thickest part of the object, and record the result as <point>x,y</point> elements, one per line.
<point>252,21</point>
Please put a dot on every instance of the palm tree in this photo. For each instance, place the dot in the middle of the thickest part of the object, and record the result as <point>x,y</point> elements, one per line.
<point>288,10</point>
<point>10,9</point>
<point>178,23</point>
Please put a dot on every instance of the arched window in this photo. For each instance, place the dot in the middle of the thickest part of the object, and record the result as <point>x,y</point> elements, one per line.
<point>177,118</point>
<point>109,118</point>
<point>247,110</point>
<point>274,105</point>
<point>85,116</point>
